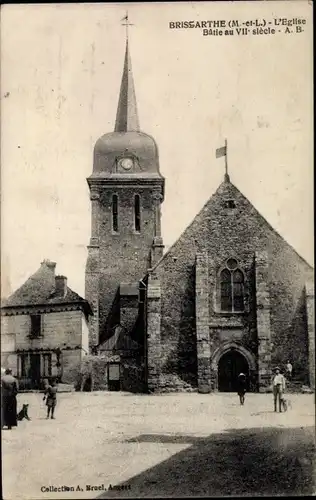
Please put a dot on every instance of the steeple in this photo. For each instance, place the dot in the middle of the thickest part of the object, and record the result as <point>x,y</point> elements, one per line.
<point>127,116</point>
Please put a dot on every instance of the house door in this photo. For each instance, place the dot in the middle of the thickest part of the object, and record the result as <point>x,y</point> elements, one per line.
<point>114,377</point>
<point>35,370</point>
<point>230,365</point>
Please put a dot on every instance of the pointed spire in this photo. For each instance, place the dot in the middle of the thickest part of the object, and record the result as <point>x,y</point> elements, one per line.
<point>127,116</point>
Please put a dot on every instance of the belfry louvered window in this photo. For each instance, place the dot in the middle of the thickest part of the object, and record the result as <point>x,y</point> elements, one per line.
<point>137,213</point>
<point>115,213</point>
<point>232,287</point>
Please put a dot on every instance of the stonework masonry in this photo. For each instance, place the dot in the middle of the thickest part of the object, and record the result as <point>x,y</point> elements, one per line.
<point>153,333</point>
<point>263,319</point>
<point>202,323</point>
<point>120,257</point>
<point>310,300</point>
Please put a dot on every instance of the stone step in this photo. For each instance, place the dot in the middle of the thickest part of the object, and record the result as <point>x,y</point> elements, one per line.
<point>66,388</point>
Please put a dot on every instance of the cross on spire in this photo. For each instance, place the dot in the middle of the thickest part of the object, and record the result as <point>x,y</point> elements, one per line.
<point>126,24</point>
<point>127,116</point>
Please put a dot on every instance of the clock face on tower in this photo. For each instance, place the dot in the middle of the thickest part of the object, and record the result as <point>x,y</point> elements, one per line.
<point>126,163</point>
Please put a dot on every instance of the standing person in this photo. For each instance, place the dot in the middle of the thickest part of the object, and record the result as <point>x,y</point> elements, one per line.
<point>9,390</point>
<point>241,387</point>
<point>289,369</point>
<point>278,389</point>
<point>51,399</point>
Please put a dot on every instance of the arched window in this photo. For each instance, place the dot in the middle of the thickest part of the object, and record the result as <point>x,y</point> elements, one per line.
<point>115,213</point>
<point>232,287</point>
<point>137,212</point>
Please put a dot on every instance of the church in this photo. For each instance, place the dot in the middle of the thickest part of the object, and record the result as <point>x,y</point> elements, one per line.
<point>230,295</point>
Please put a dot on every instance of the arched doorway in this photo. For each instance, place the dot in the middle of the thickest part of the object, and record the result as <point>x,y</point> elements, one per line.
<point>230,365</point>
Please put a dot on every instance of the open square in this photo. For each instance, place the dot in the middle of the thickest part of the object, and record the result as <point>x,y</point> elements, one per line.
<point>164,445</point>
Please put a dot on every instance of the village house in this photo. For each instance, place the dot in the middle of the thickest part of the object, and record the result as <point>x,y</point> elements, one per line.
<point>44,329</point>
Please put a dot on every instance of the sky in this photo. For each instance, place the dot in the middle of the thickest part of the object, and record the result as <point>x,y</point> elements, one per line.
<point>60,78</point>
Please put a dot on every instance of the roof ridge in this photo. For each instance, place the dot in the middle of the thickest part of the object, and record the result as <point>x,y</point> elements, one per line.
<point>186,229</point>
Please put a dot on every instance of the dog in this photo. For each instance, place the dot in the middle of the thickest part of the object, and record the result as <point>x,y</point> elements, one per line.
<point>286,404</point>
<point>23,414</point>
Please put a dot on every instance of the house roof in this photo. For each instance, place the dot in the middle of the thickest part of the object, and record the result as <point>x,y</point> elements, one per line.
<point>120,340</point>
<point>39,289</point>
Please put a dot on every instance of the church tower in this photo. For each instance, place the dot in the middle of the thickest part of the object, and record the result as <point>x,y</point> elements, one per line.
<point>126,192</point>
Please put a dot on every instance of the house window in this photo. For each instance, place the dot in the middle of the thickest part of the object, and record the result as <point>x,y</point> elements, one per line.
<point>47,365</point>
<point>232,287</point>
<point>115,213</point>
<point>36,325</point>
<point>137,213</point>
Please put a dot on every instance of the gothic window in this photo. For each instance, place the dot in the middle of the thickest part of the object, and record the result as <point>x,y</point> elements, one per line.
<point>137,212</point>
<point>226,290</point>
<point>36,325</point>
<point>115,213</point>
<point>232,287</point>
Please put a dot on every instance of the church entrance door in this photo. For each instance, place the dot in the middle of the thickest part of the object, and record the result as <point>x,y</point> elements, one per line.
<point>230,365</point>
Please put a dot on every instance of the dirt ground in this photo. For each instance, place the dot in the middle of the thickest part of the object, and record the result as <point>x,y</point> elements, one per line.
<point>115,444</point>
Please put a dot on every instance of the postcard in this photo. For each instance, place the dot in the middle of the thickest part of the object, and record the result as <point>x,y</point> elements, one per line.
<point>157,293</point>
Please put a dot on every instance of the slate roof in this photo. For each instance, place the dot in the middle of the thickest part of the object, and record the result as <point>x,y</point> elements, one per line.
<point>127,116</point>
<point>39,289</point>
<point>120,341</point>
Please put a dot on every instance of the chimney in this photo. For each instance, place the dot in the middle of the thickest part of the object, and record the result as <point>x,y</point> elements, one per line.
<point>61,286</point>
<point>48,263</point>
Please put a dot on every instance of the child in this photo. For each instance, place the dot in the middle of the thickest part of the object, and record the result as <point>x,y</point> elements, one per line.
<point>51,398</point>
<point>241,387</point>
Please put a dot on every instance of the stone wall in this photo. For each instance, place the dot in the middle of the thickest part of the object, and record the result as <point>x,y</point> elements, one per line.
<point>92,292</point>
<point>288,274</point>
<point>153,344</point>
<point>202,323</point>
<point>128,306</point>
<point>310,304</point>
<point>93,372</point>
<point>8,356</point>
<point>124,256</point>
<point>60,329</point>
<point>263,319</point>
<point>10,360</point>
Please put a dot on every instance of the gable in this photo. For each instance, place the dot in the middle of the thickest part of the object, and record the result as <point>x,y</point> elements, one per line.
<point>229,224</point>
